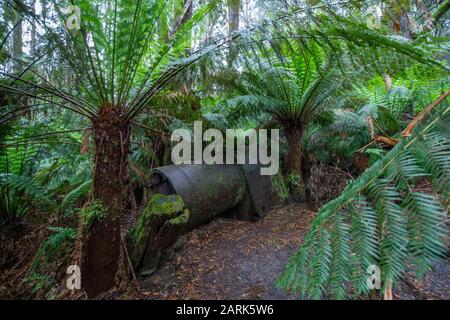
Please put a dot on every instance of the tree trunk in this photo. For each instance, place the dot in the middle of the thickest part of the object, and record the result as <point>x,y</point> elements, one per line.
<point>185,16</point>
<point>102,245</point>
<point>234,7</point>
<point>33,32</point>
<point>294,155</point>
<point>17,48</point>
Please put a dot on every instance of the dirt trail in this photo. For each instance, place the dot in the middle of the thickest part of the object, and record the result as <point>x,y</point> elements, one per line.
<point>230,259</point>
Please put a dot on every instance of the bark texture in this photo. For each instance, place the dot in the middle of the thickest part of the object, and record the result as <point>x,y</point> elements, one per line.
<point>233,25</point>
<point>102,245</point>
<point>294,156</point>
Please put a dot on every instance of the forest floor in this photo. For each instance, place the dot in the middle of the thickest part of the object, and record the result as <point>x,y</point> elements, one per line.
<point>225,259</point>
<point>230,259</point>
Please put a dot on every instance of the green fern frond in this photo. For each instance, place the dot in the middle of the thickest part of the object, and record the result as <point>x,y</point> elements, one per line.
<point>53,245</point>
<point>380,219</point>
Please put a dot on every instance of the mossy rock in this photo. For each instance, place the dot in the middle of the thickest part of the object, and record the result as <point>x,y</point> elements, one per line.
<point>161,208</point>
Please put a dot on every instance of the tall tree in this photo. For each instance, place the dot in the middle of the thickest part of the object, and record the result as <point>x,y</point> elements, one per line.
<point>234,8</point>
<point>17,45</point>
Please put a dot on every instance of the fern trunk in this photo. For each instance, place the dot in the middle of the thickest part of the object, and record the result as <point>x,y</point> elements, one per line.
<point>294,157</point>
<point>102,245</point>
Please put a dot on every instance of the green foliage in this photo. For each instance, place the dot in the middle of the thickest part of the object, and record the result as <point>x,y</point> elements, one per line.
<point>56,243</point>
<point>292,181</point>
<point>293,66</point>
<point>122,55</point>
<point>381,219</point>
<point>295,88</point>
<point>69,179</point>
<point>386,112</point>
<point>279,185</point>
<point>19,190</point>
<point>339,140</point>
<point>92,210</point>
<point>374,154</point>
<point>77,193</point>
<point>39,281</point>
<point>29,180</point>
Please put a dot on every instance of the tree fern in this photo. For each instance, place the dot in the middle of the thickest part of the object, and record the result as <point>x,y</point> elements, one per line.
<point>18,194</point>
<point>338,140</point>
<point>19,190</point>
<point>380,219</point>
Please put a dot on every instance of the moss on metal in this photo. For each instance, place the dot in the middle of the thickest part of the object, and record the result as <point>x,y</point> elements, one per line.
<point>181,219</point>
<point>159,209</point>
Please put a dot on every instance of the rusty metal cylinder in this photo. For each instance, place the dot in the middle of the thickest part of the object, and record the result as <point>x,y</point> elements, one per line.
<point>207,190</point>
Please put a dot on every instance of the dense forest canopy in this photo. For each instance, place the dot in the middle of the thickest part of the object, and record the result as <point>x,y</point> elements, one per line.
<point>91,91</point>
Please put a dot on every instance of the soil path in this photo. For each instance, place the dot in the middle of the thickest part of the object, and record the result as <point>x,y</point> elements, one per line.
<point>230,259</point>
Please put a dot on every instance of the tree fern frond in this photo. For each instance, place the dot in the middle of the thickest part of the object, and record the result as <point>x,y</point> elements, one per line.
<point>391,224</point>
<point>28,186</point>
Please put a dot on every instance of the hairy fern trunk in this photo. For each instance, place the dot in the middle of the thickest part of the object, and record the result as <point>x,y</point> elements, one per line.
<point>294,156</point>
<point>101,256</point>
